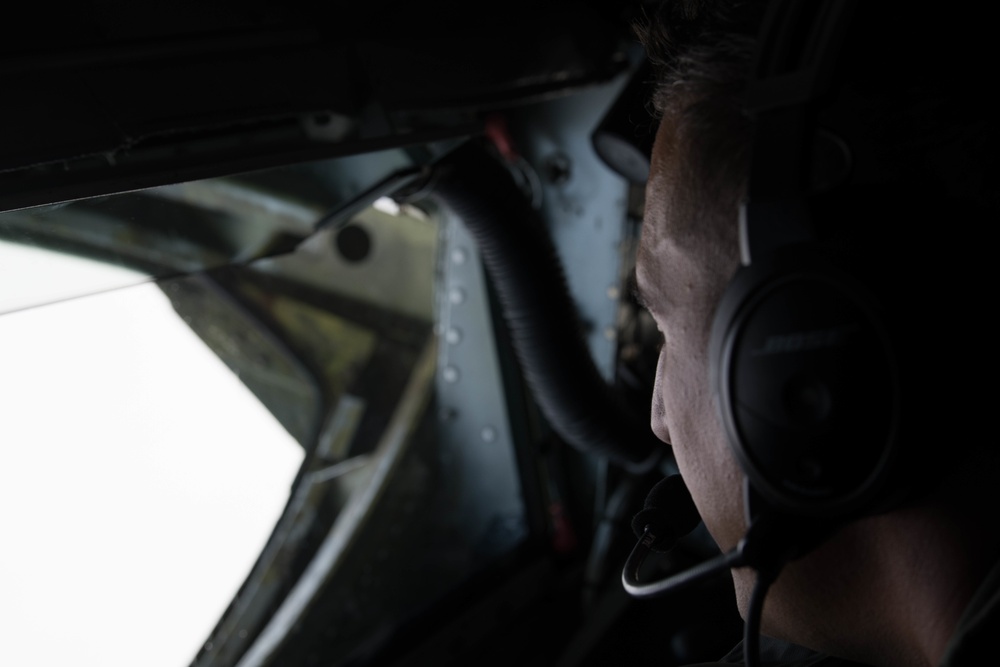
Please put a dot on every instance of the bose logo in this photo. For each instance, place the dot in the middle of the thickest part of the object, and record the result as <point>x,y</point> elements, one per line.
<point>806,340</point>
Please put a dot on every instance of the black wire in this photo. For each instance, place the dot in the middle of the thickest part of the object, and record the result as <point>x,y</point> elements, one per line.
<point>751,629</point>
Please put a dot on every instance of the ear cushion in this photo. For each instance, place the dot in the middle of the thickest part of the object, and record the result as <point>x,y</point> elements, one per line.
<point>806,383</point>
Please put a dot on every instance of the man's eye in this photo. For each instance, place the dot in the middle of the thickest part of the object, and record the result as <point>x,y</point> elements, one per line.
<point>647,331</point>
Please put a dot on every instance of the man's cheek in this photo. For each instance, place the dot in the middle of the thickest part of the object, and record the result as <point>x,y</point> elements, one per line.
<point>710,469</point>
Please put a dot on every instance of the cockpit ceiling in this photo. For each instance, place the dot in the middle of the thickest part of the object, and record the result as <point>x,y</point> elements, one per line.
<point>100,99</point>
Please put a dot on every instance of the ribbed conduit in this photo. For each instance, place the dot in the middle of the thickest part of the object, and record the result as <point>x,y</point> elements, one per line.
<point>547,334</point>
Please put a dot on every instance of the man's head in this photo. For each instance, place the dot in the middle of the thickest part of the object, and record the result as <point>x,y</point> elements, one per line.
<point>702,53</point>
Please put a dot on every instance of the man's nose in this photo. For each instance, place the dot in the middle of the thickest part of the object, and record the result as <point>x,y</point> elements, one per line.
<point>658,413</point>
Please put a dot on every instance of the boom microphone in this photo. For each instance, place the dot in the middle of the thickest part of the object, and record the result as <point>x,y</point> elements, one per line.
<point>772,538</point>
<point>669,514</point>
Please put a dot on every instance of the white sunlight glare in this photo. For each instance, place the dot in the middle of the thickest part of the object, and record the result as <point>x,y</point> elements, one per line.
<point>139,479</point>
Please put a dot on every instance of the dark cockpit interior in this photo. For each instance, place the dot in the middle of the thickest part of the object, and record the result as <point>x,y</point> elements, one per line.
<point>405,233</point>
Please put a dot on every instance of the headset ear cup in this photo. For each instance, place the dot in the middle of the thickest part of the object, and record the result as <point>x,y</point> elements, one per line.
<point>806,384</point>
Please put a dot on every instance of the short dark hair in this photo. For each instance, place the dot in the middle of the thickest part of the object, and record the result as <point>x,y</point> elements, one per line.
<point>932,116</point>
<point>700,53</point>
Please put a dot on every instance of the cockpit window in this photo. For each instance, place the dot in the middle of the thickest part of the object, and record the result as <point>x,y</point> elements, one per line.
<point>256,407</point>
<point>139,479</point>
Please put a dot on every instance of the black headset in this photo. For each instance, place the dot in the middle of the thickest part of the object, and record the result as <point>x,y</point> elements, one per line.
<point>803,369</point>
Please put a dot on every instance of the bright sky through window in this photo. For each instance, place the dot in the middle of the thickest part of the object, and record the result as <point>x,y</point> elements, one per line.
<point>139,478</point>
